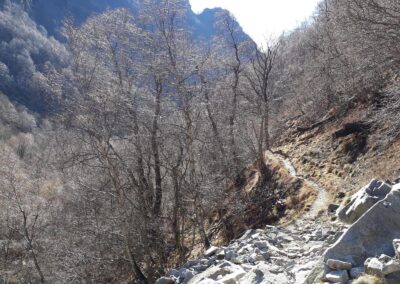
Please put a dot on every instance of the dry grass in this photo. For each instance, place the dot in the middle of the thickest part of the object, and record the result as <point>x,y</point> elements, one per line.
<point>306,194</point>
<point>252,182</point>
<point>305,198</point>
<point>368,279</point>
<point>318,156</point>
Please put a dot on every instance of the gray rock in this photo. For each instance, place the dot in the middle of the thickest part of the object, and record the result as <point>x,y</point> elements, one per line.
<point>340,211</point>
<point>332,208</point>
<point>188,275</point>
<point>356,272</point>
<point>333,238</point>
<point>182,271</point>
<point>208,281</point>
<point>271,228</point>
<point>261,244</point>
<point>216,272</point>
<point>191,263</point>
<point>372,234</point>
<point>221,254</point>
<point>391,266</point>
<point>261,274</point>
<point>247,234</point>
<point>183,274</point>
<point>247,267</point>
<point>302,271</point>
<point>374,266</point>
<point>237,260</point>
<point>285,238</point>
<point>249,259</point>
<point>246,249</point>
<point>266,255</point>
<point>384,258</point>
<point>205,260</point>
<point>174,273</point>
<point>317,247</point>
<point>338,276</point>
<point>379,189</point>
<point>229,254</point>
<point>396,247</point>
<point>363,200</point>
<point>338,265</point>
<point>275,269</point>
<point>211,251</point>
<point>199,267</point>
<point>255,276</point>
<point>165,280</point>
<point>233,277</point>
<point>316,273</point>
<point>393,278</point>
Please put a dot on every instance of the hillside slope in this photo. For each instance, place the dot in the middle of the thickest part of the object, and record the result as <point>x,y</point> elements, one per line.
<point>347,151</point>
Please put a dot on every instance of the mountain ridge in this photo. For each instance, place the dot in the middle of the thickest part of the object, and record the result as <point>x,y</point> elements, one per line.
<point>50,14</point>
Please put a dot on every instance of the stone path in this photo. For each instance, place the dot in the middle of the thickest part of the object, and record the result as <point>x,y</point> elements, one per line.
<point>274,255</point>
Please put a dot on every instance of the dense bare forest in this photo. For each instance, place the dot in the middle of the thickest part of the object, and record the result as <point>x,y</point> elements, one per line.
<point>119,140</point>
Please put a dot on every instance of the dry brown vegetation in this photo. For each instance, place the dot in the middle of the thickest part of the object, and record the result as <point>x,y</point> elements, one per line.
<point>263,197</point>
<point>331,160</point>
<point>368,279</point>
<point>302,200</point>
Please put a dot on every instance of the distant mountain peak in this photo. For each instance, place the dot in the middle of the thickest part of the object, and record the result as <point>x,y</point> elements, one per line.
<point>51,13</point>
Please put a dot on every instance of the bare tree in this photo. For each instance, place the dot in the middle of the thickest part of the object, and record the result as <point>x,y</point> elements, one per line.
<point>260,81</point>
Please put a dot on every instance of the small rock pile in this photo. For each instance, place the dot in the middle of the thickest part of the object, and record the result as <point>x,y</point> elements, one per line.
<point>383,267</point>
<point>272,255</point>
<point>337,271</point>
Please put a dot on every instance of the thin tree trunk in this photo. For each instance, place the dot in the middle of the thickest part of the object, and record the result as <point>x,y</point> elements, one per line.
<point>156,153</point>
<point>232,119</point>
<point>177,205</point>
<point>30,247</point>
<point>266,126</point>
<point>214,126</point>
<point>134,265</point>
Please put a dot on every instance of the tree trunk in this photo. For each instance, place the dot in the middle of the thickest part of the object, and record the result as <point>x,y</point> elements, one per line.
<point>30,247</point>
<point>156,153</point>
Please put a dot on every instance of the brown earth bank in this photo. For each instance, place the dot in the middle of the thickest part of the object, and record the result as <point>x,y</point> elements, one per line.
<point>265,194</point>
<point>344,153</point>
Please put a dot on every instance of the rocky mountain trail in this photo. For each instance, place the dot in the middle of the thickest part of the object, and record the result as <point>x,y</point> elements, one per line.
<point>285,253</point>
<point>322,198</point>
<point>362,243</point>
<point>276,254</point>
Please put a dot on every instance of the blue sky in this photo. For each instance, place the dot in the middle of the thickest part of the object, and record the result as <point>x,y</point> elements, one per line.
<point>263,18</point>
